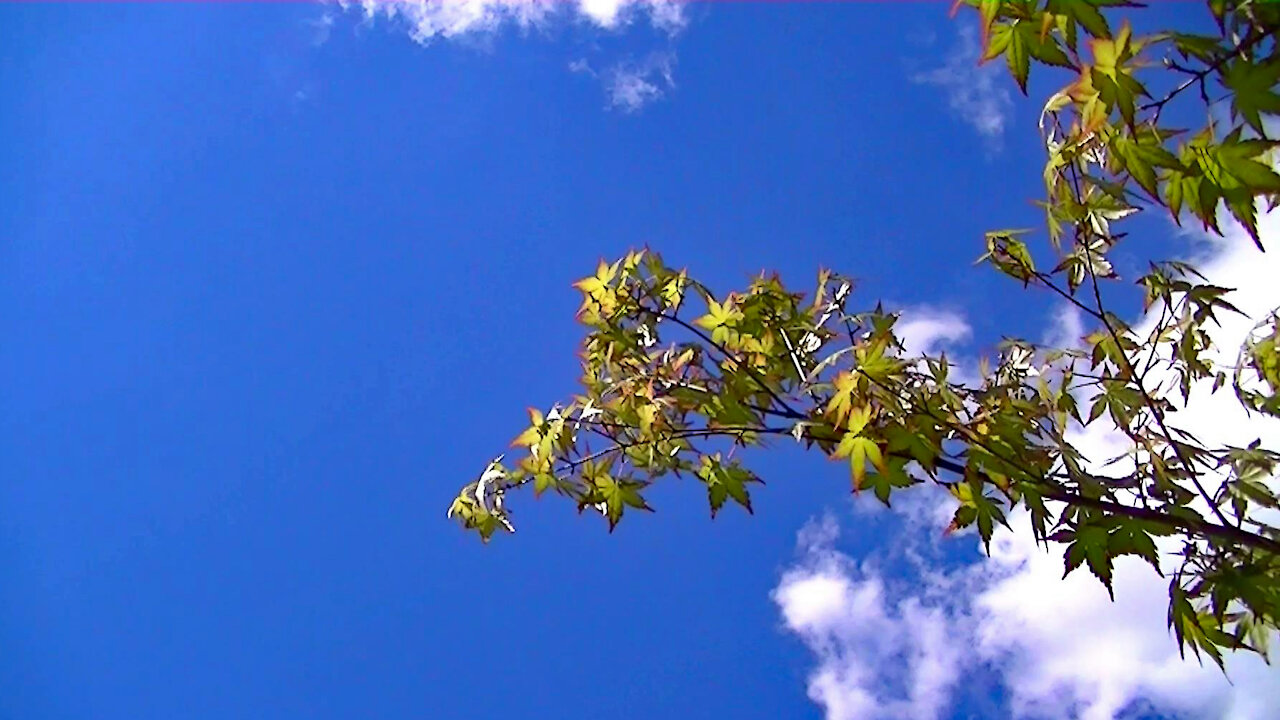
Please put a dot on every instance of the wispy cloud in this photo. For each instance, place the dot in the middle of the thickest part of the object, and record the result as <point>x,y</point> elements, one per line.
<point>629,85</point>
<point>665,15</point>
<point>429,20</point>
<point>1066,329</point>
<point>977,95</point>
<point>1059,647</point>
<point>322,28</point>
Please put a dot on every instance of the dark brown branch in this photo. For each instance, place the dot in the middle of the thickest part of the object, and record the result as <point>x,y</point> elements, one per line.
<point>1044,279</point>
<point>1200,527</point>
<point>1190,525</point>
<point>1147,400</point>
<point>1200,76</point>
<point>755,376</point>
<point>729,430</point>
<point>1194,526</point>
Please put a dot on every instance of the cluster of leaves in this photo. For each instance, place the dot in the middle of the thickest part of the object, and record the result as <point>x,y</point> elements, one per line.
<point>676,378</point>
<point>1115,122</point>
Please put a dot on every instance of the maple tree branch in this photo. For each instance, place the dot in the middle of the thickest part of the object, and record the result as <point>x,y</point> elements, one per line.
<point>1200,76</point>
<point>1156,412</point>
<point>1208,529</point>
<point>1128,367</point>
<point>1044,279</point>
<point>751,373</point>
<point>618,446</point>
<point>1192,525</point>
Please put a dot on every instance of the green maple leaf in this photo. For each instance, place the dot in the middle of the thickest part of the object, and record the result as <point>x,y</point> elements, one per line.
<point>902,439</point>
<point>1090,546</point>
<point>1084,13</point>
<point>859,450</point>
<point>720,320</point>
<point>1253,87</point>
<point>839,406</point>
<point>725,481</point>
<point>1133,537</point>
<point>599,282</point>
<point>617,495</point>
<point>543,482</point>
<point>893,477</point>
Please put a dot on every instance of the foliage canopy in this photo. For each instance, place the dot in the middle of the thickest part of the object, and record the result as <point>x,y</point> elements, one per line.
<point>676,376</point>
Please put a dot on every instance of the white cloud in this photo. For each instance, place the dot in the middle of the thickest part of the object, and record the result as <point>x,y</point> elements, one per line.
<point>665,15</point>
<point>876,660</point>
<point>976,94</point>
<point>925,330</point>
<point>1059,647</point>
<point>1066,651</point>
<point>428,20</point>
<point>321,27</point>
<point>603,12</point>
<point>1235,262</point>
<point>630,86</point>
<point>1066,329</point>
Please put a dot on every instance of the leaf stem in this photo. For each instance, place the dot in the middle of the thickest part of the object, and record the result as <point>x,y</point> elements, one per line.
<point>755,376</point>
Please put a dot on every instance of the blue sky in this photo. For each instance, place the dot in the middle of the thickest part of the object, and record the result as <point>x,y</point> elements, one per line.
<point>277,281</point>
